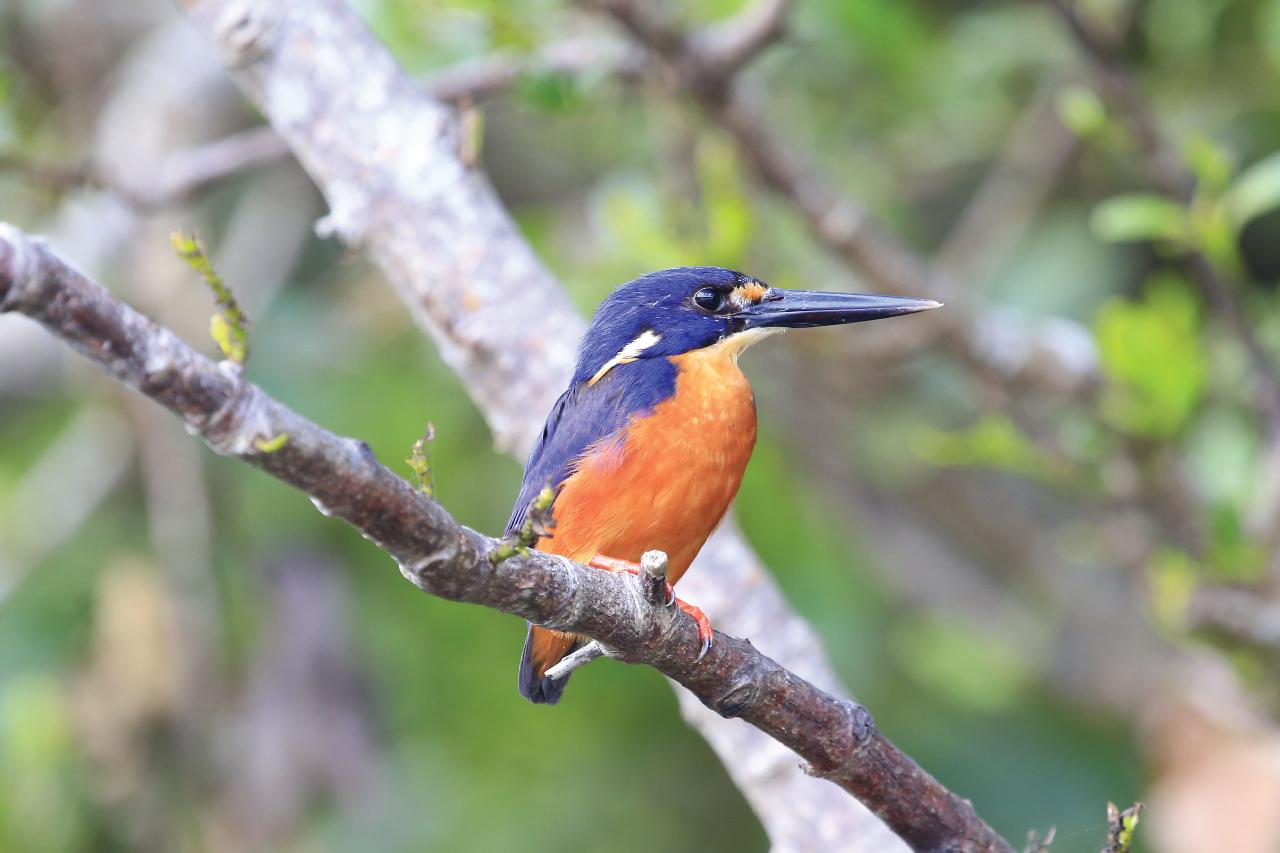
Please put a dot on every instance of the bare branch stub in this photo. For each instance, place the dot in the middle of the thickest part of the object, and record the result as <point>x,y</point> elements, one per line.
<point>653,580</point>
<point>835,736</point>
<point>577,659</point>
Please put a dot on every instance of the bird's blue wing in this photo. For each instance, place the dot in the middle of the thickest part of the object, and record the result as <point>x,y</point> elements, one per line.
<point>584,415</point>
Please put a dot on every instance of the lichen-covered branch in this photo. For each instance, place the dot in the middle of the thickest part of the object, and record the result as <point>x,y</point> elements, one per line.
<point>835,736</point>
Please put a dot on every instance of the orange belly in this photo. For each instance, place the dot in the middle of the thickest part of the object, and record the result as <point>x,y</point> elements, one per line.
<point>669,480</point>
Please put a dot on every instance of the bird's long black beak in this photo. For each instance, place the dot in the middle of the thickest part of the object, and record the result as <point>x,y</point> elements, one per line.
<point>803,309</point>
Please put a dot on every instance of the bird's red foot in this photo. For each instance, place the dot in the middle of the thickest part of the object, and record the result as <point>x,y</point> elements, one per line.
<point>613,564</point>
<point>704,625</point>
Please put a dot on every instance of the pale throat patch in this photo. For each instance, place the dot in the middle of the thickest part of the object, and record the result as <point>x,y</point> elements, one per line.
<point>627,354</point>
<point>734,345</point>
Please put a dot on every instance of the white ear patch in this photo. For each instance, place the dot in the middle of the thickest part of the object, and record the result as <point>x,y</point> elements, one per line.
<point>627,354</point>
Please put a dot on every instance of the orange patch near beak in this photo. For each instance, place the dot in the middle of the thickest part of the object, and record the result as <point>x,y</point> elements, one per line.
<point>751,292</point>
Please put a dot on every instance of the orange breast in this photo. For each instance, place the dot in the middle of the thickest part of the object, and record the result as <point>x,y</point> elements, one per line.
<point>669,481</point>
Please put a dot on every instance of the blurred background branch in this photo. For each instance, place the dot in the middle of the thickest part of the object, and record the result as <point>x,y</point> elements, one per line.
<point>1050,514</point>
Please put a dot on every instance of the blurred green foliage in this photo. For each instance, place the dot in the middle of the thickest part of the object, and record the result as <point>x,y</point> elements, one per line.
<point>1133,337</point>
<point>904,105</point>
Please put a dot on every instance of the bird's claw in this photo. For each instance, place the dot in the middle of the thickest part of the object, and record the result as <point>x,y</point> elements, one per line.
<point>613,564</point>
<point>704,626</point>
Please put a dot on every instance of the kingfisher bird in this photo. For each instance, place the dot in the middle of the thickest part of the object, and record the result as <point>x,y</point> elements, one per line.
<point>647,446</point>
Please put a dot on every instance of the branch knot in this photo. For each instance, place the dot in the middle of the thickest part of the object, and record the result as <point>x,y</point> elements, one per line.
<point>245,32</point>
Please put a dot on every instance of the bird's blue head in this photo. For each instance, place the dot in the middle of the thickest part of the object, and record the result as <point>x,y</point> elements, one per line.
<point>675,311</point>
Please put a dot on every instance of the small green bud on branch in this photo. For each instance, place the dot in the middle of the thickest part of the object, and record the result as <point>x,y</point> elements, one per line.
<point>271,445</point>
<point>419,462</point>
<point>538,524</point>
<point>1121,827</point>
<point>227,327</point>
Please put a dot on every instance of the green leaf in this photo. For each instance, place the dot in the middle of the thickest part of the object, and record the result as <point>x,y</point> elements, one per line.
<point>34,730</point>
<point>726,209</point>
<point>1268,32</point>
<point>1233,555</point>
<point>1255,191</point>
<point>1210,162</point>
<point>1139,216</point>
<point>1152,352</point>
<point>549,91</point>
<point>993,442</point>
<point>1173,578</point>
<point>1081,111</point>
<point>959,663</point>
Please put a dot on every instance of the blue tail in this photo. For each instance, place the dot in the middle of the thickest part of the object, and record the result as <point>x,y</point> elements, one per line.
<point>542,649</point>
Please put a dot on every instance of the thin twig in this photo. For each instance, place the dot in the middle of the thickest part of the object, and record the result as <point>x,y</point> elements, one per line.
<point>188,172</point>
<point>580,658</point>
<point>179,177</point>
<point>59,493</point>
<point>53,176</point>
<point>736,42</point>
<point>195,169</point>
<point>1033,158</point>
<point>1162,162</point>
<point>489,76</point>
<point>837,737</point>
<point>1167,173</point>
<point>1243,615</point>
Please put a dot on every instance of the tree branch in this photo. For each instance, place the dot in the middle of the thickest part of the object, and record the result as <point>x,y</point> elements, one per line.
<point>1248,616</point>
<point>488,76</point>
<point>385,155</point>
<point>733,44</point>
<point>234,417</point>
<point>59,493</point>
<point>178,177</point>
<point>997,215</point>
<point>187,172</point>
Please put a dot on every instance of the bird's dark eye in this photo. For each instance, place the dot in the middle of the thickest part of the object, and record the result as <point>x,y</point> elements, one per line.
<point>708,298</point>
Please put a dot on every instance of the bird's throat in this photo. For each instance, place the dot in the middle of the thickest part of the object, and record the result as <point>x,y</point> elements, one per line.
<point>736,344</point>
